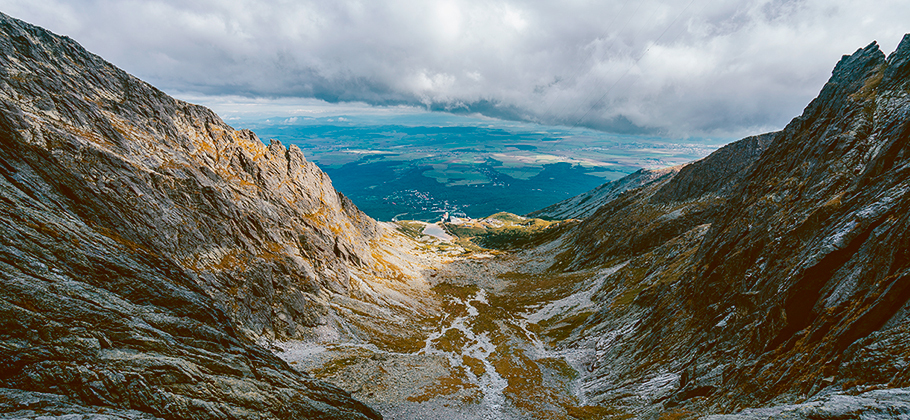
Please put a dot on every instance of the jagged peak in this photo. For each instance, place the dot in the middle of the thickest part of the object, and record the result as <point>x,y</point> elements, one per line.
<point>898,62</point>
<point>902,50</point>
<point>848,77</point>
<point>853,65</point>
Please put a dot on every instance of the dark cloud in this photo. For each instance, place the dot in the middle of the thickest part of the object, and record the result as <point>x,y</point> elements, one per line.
<point>651,66</point>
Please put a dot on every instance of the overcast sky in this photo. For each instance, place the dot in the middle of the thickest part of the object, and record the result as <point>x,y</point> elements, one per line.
<point>699,67</point>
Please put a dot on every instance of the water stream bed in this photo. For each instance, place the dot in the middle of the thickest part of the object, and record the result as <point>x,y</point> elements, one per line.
<point>483,360</point>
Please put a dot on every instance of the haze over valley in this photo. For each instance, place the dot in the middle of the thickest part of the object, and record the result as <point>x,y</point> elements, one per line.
<point>418,166</point>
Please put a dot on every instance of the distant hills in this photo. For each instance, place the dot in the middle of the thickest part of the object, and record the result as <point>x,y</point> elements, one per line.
<point>416,167</point>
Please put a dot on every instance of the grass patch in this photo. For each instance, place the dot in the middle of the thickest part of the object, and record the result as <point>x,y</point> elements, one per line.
<point>452,341</point>
<point>531,289</point>
<point>476,365</point>
<point>335,366</point>
<point>448,385</point>
<point>593,412</point>
<point>504,231</point>
<point>460,292</point>
<point>410,229</point>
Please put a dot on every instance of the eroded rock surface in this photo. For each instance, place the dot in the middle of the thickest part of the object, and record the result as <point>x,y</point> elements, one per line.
<point>775,269</point>
<point>586,204</point>
<point>145,243</point>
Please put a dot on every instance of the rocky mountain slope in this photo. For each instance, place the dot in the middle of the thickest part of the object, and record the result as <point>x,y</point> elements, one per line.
<point>767,280</point>
<point>777,278</point>
<point>146,244</point>
<point>697,178</point>
<point>586,204</point>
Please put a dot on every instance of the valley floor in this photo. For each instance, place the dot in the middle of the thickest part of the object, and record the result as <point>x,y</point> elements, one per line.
<point>487,355</point>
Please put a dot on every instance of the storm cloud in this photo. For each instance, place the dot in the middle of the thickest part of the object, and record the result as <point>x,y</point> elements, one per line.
<point>699,67</point>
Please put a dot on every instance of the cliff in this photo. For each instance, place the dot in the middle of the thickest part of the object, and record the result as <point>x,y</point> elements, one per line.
<point>146,244</point>
<point>772,271</point>
<point>586,204</point>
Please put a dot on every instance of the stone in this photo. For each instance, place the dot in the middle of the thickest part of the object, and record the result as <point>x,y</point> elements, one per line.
<point>145,245</point>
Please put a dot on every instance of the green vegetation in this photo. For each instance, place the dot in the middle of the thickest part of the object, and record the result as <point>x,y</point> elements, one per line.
<point>419,165</point>
<point>455,383</point>
<point>505,231</point>
<point>411,229</point>
<point>511,218</point>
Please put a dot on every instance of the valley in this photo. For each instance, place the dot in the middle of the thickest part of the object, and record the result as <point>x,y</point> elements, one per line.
<point>482,356</point>
<point>159,263</point>
<point>415,167</point>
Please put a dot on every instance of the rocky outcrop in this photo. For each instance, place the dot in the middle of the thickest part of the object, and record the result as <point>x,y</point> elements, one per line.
<point>817,232</point>
<point>708,175</point>
<point>773,270</point>
<point>883,404</point>
<point>145,243</point>
<point>647,208</point>
<point>586,204</point>
<point>171,177</point>
<point>721,169</point>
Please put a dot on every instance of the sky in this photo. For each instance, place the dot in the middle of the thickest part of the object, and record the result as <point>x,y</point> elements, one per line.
<point>658,67</point>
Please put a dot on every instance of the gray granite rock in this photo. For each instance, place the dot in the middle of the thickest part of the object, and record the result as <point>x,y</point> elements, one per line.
<point>769,272</point>
<point>870,405</point>
<point>146,243</point>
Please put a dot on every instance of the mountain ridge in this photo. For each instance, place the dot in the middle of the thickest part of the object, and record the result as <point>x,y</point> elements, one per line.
<point>188,238</point>
<point>803,251</point>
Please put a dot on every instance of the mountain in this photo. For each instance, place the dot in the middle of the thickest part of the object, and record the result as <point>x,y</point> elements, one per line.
<point>586,204</point>
<point>708,174</point>
<point>772,271</point>
<point>147,245</point>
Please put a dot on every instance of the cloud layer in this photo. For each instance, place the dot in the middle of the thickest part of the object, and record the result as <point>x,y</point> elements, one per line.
<point>699,67</point>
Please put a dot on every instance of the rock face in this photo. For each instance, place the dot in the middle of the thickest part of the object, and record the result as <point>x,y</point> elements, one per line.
<point>775,269</point>
<point>711,175</point>
<point>882,404</point>
<point>662,208</point>
<point>694,179</point>
<point>585,205</point>
<point>145,243</point>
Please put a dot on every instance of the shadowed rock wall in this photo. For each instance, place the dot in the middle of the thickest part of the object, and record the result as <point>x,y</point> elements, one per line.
<point>776,268</point>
